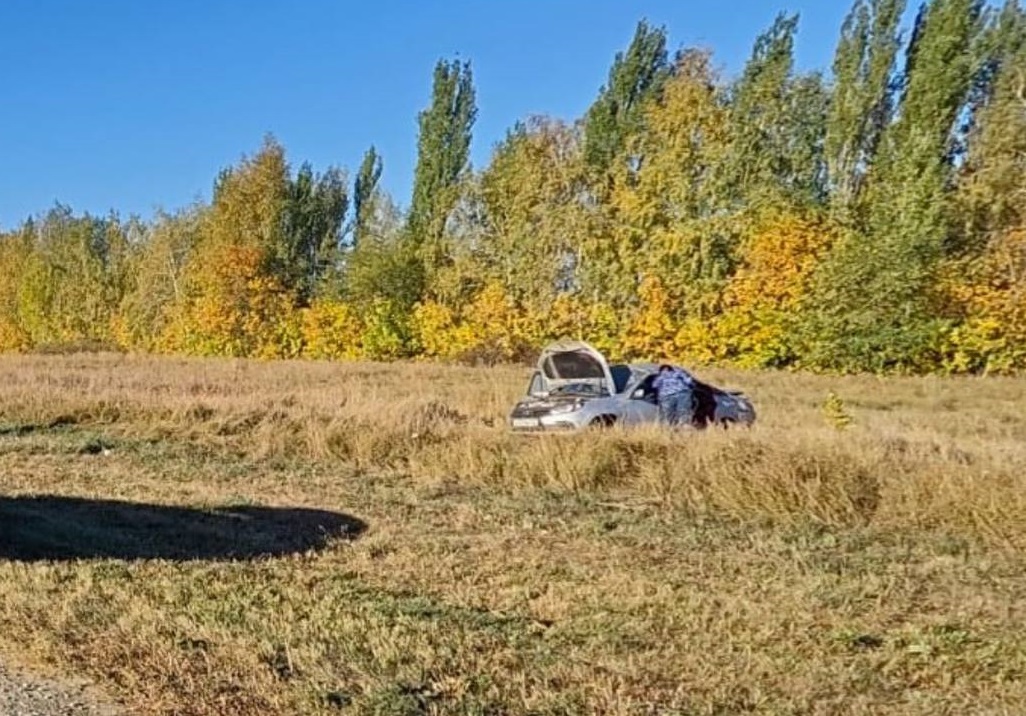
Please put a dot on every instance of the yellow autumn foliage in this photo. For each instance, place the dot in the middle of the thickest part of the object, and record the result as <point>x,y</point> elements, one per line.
<point>437,332</point>
<point>650,333</point>
<point>495,323</point>
<point>12,338</point>
<point>696,342</point>
<point>765,294</point>
<point>236,309</point>
<point>988,295</point>
<point>569,316</point>
<point>663,219</point>
<point>331,330</point>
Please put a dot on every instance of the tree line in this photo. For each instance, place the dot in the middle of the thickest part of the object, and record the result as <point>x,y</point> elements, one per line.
<point>872,218</point>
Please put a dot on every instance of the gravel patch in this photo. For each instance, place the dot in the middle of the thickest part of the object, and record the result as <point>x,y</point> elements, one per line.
<point>23,695</point>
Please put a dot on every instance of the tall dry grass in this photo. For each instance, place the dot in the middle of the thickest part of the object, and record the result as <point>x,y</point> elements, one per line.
<point>920,453</point>
<point>791,568</point>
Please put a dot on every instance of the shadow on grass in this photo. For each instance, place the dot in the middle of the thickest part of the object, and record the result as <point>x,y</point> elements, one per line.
<point>40,528</point>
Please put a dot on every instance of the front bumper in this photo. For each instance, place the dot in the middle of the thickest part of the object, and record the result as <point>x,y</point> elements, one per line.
<point>544,423</point>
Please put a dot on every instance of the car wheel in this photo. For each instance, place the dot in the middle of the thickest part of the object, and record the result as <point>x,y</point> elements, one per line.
<point>604,421</point>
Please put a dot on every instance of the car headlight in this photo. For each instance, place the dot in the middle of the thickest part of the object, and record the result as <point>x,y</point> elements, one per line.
<point>570,407</point>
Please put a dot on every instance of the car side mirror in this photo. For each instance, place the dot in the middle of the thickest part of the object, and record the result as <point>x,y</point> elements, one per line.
<point>638,394</point>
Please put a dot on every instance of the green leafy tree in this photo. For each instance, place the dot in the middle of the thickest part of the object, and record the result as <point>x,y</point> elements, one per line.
<point>613,151</point>
<point>443,160</point>
<point>309,257</point>
<point>983,284</point>
<point>863,95</point>
<point>874,308</point>
<point>365,191</point>
<point>384,266</point>
<point>778,122</point>
<point>637,76</point>
<point>158,276</point>
<point>667,219</point>
<point>992,180</point>
<point>532,218</point>
<point>74,277</point>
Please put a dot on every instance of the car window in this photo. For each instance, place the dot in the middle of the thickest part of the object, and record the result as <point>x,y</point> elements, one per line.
<point>572,364</point>
<point>621,377</point>
<point>580,389</point>
<point>537,385</point>
<point>646,386</point>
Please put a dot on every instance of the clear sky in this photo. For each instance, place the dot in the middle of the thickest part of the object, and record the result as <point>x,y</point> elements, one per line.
<point>133,105</point>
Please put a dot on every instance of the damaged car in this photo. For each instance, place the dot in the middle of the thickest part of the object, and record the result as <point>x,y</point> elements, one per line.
<point>574,387</point>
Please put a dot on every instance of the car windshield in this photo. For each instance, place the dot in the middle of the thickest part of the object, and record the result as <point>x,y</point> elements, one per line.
<point>587,390</point>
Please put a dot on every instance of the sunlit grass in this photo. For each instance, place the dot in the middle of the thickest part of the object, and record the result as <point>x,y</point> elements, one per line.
<point>797,567</point>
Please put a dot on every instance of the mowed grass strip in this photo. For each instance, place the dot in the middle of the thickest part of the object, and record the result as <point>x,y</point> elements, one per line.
<point>792,568</point>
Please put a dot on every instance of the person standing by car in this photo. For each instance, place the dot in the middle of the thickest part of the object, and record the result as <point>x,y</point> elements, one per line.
<point>674,395</point>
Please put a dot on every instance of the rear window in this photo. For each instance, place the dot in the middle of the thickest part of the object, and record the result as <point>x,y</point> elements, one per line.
<point>572,365</point>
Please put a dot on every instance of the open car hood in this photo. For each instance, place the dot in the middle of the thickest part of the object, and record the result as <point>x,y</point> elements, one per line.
<point>569,362</point>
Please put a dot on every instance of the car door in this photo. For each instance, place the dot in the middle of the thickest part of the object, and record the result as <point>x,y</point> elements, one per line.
<point>640,407</point>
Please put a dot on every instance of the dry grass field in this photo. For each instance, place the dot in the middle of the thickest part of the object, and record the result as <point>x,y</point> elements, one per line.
<point>228,537</point>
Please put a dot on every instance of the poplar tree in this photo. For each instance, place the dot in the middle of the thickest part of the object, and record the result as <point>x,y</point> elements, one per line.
<point>308,259</point>
<point>365,190</point>
<point>984,283</point>
<point>777,122</point>
<point>863,95</point>
<point>992,181</point>
<point>874,308</point>
<point>636,77</point>
<point>443,160</point>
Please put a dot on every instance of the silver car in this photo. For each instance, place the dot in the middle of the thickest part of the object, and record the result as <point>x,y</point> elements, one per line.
<point>574,388</point>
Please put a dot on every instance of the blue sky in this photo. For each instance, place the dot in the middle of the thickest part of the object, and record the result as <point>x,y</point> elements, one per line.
<point>132,105</point>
